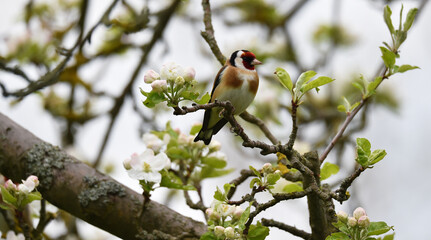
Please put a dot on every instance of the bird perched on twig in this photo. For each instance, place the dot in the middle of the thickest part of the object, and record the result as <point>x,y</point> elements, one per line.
<point>237,82</point>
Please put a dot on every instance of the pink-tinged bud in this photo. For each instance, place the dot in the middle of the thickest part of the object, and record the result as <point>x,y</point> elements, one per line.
<point>127,164</point>
<point>159,85</point>
<point>267,168</point>
<point>351,221</point>
<point>189,74</point>
<point>219,231</point>
<point>209,211</point>
<point>150,76</point>
<point>342,216</point>
<point>180,81</point>
<point>9,185</point>
<point>229,232</point>
<point>364,221</point>
<point>359,212</point>
<point>238,212</point>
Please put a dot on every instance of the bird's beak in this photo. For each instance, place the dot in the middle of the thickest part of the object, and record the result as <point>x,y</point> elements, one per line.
<point>256,62</point>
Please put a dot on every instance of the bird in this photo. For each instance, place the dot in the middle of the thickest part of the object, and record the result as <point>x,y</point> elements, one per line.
<point>237,81</point>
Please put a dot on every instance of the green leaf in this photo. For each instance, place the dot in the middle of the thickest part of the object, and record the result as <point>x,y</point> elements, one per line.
<point>208,236</point>
<point>7,196</point>
<point>363,149</point>
<point>387,16</point>
<point>410,18</point>
<point>154,98</point>
<point>30,198</point>
<point>342,227</point>
<point>244,217</point>
<point>272,178</point>
<point>189,95</point>
<point>406,67</point>
<point>227,187</point>
<point>359,86</point>
<point>320,81</point>
<point>177,153</point>
<point>328,170</point>
<point>284,78</point>
<point>373,85</point>
<point>376,156</point>
<point>377,228</point>
<point>172,181</point>
<point>195,129</point>
<point>254,181</point>
<point>388,57</point>
<point>341,108</point>
<point>257,173</point>
<point>209,172</point>
<point>204,99</point>
<point>257,232</point>
<point>338,236</point>
<point>293,187</point>
<point>214,162</point>
<point>389,237</point>
<point>218,195</point>
<point>303,78</point>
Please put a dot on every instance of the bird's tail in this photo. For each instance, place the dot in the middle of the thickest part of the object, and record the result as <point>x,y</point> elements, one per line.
<point>204,135</point>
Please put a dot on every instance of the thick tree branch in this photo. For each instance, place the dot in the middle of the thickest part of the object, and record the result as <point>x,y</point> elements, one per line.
<point>84,192</point>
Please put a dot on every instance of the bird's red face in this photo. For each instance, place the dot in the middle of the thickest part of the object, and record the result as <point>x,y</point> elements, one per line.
<point>249,60</point>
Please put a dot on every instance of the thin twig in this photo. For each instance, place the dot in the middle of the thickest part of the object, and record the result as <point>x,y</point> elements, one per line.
<point>261,124</point>
<point>164,17</point>
<point>290,229</point>
<point>208,34</point>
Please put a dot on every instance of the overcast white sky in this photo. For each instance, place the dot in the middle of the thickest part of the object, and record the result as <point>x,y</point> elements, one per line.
<point>395,191</point>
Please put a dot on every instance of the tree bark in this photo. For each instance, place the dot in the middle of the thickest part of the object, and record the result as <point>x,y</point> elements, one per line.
<point>84,192</point>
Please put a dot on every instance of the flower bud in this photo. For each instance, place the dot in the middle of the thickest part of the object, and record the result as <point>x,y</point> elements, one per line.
<point>364,221</point>
<point>31,181</point>
<point>359,212</point>
<point>219,231</point>
<point>180,81</point>
<point>209,211</point>
<point>342,216</point>
<point>278,172</point>
<point>229,232</point>
<point>159,85</point>
<point>9,185</point>
<point>351,221</point>
<point>189,74</point>
<point>214,146</point>
<point>150,76</point>
<point>126,164</point>
<point>267,168</point>
<point>238,212</point>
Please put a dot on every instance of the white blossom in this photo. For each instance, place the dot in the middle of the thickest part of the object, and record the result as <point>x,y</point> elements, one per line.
<point>229,232</point>
<point>146,166</point>
<point>12,236</point>
<point>170,71</point>
<point>154,142</point>
<point>9,185</point>
<point>29,184</point>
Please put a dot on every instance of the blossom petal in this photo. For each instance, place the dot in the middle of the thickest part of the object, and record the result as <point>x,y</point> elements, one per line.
<point>159,162</point>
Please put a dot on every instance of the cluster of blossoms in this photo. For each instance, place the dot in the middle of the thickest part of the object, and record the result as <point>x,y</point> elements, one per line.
<point>223,219</point>
<point>266,178</point>
<point>17,196</point>
<point>173,84</point>
<point>359,218</point>
<point>171,149</point>
<point>170,73</point>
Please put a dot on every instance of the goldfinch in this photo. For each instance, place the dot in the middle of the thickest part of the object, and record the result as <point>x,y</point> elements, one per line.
<point>237,81</point>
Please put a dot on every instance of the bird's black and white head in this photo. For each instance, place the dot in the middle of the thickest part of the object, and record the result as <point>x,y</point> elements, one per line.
<point>244,59</point>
